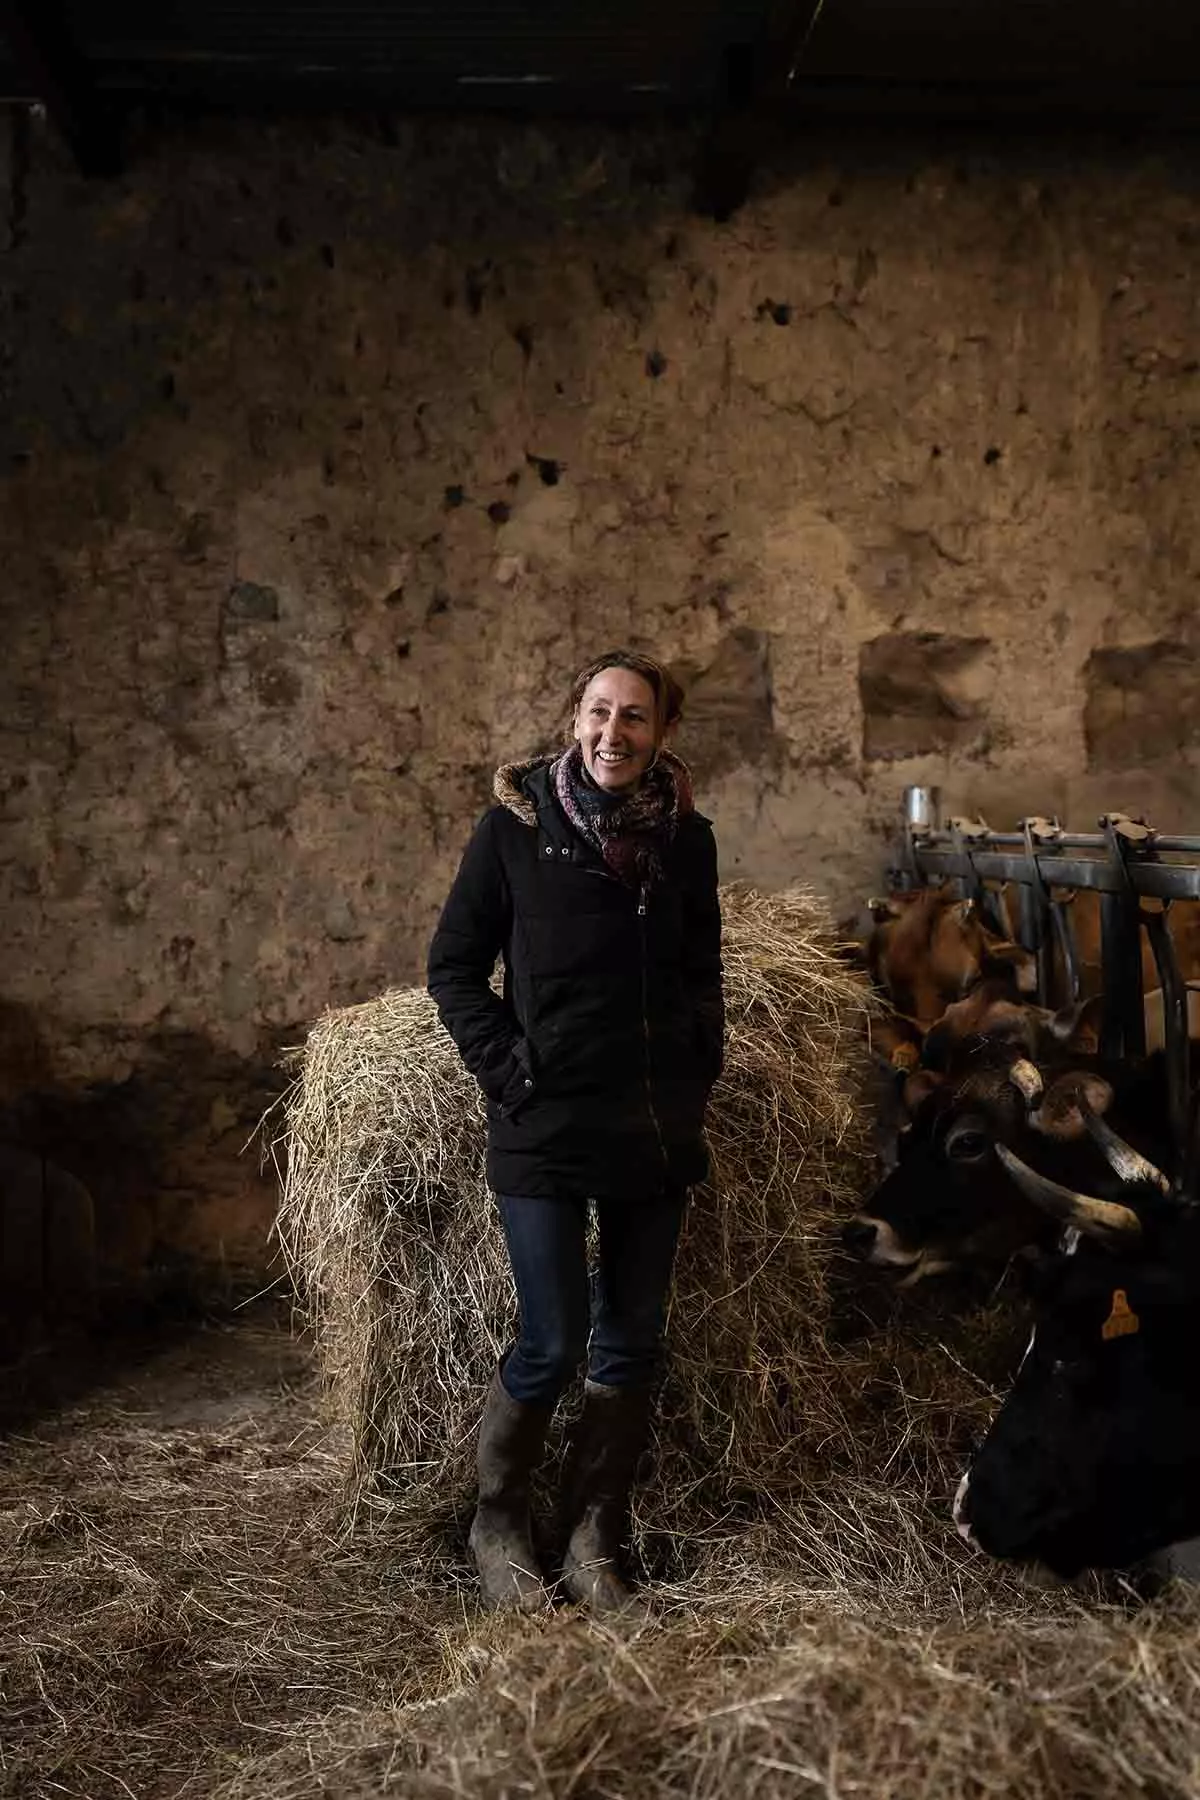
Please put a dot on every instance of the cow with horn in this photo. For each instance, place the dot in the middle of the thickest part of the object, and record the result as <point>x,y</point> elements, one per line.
<point>1094,1459</point>
<point>997,1074</point>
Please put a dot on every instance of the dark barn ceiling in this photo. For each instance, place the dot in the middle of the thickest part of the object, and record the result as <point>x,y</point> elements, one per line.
<point>89,61</point>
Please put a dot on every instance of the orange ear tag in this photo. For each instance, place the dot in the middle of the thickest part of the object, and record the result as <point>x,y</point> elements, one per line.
<point>905,1056</point>
<point>1122,1321</point>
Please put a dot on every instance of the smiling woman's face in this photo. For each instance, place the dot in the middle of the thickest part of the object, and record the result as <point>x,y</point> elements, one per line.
<point>617,729</point>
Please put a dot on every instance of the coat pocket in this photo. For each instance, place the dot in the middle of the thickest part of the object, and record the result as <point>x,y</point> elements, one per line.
<point>520,1085</point>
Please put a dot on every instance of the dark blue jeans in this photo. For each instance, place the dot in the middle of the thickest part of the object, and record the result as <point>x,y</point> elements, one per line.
<point>615,1319</point>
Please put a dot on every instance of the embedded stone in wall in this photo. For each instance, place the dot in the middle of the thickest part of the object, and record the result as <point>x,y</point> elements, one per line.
<point>921,693</point>
<point>729,717</point>
<point>1142,705</point>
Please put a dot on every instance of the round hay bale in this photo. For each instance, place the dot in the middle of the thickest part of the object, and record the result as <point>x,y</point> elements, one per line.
<point>390,1233</point>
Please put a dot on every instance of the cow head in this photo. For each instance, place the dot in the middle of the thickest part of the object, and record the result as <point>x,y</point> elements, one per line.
<point>949,1202</point>
<point>1094,1458</point>
<point>993,1073</point>
<point>929,948</point>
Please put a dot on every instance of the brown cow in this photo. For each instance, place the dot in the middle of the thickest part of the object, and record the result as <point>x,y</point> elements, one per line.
<point>929,948</point>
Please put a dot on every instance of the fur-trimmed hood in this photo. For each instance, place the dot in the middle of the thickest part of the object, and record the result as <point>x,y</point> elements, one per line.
<point>508,785</point>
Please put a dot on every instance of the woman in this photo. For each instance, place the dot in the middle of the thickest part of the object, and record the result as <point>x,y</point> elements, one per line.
<point>596,880</point>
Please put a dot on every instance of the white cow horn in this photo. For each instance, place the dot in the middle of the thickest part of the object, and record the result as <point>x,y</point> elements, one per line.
<point>1095,1218</point>
<point>1129,1164</point>
<point>1027,1080</point>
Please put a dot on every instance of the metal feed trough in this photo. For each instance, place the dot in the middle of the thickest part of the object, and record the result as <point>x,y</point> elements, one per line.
<point>1126,863</point>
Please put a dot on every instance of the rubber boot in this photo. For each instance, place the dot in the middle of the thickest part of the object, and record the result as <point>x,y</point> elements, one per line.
<point>512,1435</point>
<point>601,1465</point>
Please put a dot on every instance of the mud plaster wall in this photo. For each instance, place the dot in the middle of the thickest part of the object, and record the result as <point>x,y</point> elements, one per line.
<point>329,453</point>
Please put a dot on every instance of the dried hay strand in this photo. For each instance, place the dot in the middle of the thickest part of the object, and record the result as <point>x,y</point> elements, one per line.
<point>182,1617</point>
<point>174,1579</point>
<point>746,1397</point>
<point>388,1231</point>
<point>385,1224</point>
<point>739,1701</point>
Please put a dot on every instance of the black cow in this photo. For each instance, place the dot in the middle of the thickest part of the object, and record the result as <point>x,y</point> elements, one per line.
<point>1008,1075</point>
<point>1094,1459</point>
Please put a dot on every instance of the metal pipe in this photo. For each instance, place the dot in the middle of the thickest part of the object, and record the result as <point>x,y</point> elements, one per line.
<point>1064,931</point>
<point>1069,840</point>
<point>1122,964</point>
<point>1175,1029</point>
<point>1160,881</point>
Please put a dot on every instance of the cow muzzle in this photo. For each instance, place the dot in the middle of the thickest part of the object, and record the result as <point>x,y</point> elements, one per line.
<point>874,1241</point>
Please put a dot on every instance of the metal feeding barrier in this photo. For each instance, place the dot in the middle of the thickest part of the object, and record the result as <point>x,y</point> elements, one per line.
<point>1127,863</point>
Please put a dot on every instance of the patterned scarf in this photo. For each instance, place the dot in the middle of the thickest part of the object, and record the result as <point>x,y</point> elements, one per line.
<point>632,831</point>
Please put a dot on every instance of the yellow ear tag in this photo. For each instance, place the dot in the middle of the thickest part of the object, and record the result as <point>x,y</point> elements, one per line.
<point>1122,1321</point>
<point>905,1056</point>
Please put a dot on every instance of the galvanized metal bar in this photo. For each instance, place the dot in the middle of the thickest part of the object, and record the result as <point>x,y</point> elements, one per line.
<point>1160,881</point>
<point>1123,1032</point>
<point>1030,934</point>
<point>1064,932</point>
<point>1177,1047</point>
<point>1033,932</point>
<point>1163,844</point>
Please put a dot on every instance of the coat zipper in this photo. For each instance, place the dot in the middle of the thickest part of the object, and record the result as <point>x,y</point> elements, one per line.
<point>654,1120</point>
<point>605,875</point>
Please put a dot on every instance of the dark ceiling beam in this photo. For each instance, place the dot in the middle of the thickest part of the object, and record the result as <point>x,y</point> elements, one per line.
<point>56,75</point>
<point>757,78</point>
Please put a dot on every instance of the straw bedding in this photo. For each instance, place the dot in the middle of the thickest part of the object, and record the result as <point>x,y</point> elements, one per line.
<point>174,1578</point>
<point>191,1609</point>
<point>184,1613</point>
<point>718,1708</point>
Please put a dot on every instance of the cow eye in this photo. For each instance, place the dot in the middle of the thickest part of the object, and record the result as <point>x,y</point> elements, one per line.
<point>967,1146</point>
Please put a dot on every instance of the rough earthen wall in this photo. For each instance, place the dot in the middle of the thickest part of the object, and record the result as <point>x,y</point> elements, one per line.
<point>328,453</point>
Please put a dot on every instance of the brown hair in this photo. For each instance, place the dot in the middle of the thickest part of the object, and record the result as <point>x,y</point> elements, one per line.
<point>668,695</point>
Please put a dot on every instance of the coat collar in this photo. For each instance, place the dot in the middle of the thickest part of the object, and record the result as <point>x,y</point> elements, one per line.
<point>523,787</point>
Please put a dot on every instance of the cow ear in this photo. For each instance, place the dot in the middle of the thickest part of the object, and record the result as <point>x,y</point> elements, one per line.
<point>1021,963</point>
<point>920,1084</point>
<point>962,912</point>
<point>1077,1027</point>
<point>884,906</point>
<point>1060,1114</point>
<point>895,1044</point>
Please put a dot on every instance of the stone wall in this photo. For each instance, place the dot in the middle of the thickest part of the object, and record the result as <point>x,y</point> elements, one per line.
<point>327,453</point>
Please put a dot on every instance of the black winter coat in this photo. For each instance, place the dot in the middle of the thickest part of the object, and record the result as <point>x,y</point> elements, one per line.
<point>598,1059</point>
